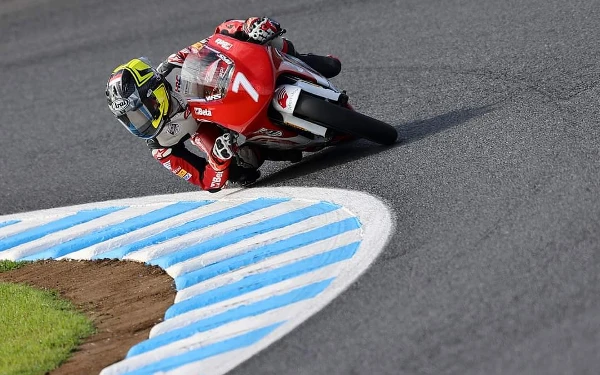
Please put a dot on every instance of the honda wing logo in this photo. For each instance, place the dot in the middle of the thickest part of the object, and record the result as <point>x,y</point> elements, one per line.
<point>282,98</point>
<point>285,98</point>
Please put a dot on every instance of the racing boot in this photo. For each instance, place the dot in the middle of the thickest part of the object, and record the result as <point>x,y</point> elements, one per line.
<point>329,66</point>
<point>245,169</point>
<point>243,176</point>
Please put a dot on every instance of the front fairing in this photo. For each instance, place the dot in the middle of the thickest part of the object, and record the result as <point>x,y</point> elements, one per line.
<point>228,82</point>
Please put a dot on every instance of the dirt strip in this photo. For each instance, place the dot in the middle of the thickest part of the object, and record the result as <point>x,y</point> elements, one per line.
<point>123,299</point>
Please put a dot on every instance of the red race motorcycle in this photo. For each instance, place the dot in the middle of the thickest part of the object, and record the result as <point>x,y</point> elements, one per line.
<point>267,98</point>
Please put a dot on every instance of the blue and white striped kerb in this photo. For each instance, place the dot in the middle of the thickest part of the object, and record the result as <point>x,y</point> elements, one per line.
<point>249,265</point>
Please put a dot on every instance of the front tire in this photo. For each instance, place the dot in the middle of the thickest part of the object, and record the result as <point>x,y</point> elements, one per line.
<point>343,120</point>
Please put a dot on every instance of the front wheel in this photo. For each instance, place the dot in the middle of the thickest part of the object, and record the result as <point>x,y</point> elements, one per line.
<point>344,120</point>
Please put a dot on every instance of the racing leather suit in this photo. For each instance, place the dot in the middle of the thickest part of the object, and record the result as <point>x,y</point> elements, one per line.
<point>210,173</point>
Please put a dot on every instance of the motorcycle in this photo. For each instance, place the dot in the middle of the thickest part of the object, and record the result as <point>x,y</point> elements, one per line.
<point>264,97</point>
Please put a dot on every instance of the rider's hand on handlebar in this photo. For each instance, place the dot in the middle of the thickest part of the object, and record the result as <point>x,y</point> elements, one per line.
<point>223,147</point>
<point>261,29</point>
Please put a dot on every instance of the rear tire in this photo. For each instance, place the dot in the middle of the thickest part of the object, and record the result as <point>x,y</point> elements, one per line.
<point>343,120</point>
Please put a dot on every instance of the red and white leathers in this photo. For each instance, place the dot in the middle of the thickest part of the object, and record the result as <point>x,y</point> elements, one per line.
<point>168,146</point>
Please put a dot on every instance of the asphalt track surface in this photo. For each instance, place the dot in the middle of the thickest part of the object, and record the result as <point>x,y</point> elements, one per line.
<point>493,268</point>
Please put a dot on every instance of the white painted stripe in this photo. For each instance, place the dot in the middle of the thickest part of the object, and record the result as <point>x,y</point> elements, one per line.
<point>65,235</point>
<point>256,241</point>
<point>219,364</point>
<point>245,299</point>
<point>152,252</point>
<point>270,263</point>
<point>377,223</point>
<point>29,224</point>
<point>153,229</point>
<point>206,338</point>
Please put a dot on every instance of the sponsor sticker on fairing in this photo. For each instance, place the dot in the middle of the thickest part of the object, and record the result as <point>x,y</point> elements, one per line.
<point>222,72</point>
<point>285,98</point>
<point>224,44</point>
<point>282,98</point>
<point>227,60</point>
<point>203,112</point>
<point>213,97</point>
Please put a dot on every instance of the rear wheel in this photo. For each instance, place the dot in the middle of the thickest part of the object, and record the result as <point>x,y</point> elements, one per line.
<point>343,120</point>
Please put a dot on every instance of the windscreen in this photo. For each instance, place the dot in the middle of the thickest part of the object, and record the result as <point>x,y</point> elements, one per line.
<point>206,74</point>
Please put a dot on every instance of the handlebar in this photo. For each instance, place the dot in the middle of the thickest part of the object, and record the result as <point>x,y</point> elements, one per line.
<point>277,34</point>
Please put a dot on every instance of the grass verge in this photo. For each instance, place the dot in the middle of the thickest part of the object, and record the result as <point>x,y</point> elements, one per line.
<point>38,330</point>
<point>7,265</point>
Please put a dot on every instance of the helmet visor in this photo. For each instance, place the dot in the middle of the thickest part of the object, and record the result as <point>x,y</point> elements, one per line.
<point>139,122</point>
<point>146,115</point>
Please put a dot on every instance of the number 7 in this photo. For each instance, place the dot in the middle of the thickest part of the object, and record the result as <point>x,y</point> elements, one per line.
<point>240,79</point>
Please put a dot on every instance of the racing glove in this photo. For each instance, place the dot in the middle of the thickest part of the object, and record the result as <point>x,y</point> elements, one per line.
<point>260,29</point>
<point>223,148</point>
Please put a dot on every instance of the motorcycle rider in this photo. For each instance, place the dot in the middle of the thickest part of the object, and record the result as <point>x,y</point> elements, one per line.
<point>148,103</point>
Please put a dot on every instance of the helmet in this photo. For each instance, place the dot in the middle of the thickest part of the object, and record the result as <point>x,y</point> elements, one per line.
<point>139,97</point>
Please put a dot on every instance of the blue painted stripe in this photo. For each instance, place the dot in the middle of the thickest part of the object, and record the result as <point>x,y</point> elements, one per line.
<point>258,254</point>
<point>55,226</point>
<point>261,280</point>
<point>116,230</point>
<point>211,350</point>
<point>241,312</point>
<point>191,226</point>
<point>243,233</point>
<point>10,222</point>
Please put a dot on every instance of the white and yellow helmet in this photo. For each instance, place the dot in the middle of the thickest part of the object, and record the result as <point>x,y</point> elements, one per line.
<point>139,97</point>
